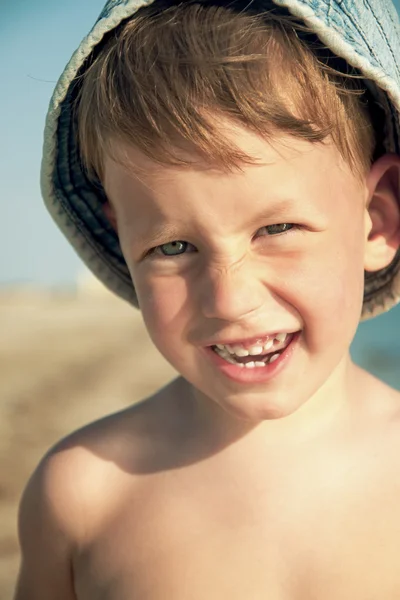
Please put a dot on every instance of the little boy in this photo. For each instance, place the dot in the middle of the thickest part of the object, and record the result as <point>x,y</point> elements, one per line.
<point>232,169</point>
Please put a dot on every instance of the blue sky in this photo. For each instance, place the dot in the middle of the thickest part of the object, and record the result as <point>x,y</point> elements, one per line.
<point>38,38</point>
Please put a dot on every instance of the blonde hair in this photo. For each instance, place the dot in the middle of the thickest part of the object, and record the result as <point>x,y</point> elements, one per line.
<point>160,80</point>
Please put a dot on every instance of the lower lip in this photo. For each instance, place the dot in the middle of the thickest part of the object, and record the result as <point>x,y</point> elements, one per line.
<point>256,374</point>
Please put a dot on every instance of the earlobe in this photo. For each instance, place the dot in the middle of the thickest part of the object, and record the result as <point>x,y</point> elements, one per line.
<point>383,231</point>
<point>109,212</point>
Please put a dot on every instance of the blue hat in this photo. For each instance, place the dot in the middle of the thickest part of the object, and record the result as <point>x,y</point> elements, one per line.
<point>365,34</point>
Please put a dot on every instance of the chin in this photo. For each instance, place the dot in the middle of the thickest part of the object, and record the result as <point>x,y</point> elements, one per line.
<point>257,410</point>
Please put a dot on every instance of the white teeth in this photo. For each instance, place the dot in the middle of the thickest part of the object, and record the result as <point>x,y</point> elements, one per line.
<point>224,352</point>
<point>229,359</point>
<point>281,337</point>
<point>274,357</point>
<point>239,351</point>
<point>268,345</point>
<point>255,350</point>
<point>250,365</point>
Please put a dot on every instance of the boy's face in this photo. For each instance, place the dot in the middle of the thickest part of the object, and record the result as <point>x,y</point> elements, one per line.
<point>232,277</point>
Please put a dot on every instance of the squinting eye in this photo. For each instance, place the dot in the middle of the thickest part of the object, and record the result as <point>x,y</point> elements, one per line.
<point>173,248</point>
<point>279,228</point>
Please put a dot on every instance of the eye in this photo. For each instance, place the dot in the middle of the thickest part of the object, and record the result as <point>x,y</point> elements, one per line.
<point>172,248</point>
<point>278,228</point>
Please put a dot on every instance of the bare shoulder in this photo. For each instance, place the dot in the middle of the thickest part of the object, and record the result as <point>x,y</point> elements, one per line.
<point>80,483</point>
<point>52,526</point>
<point>119,444</point>
<point>380,396</point>
<point>381,406</point>
<point>77,469</point>
<point>75,472</point>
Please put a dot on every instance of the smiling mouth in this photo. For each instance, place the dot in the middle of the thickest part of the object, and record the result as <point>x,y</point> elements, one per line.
<point>257,355</point>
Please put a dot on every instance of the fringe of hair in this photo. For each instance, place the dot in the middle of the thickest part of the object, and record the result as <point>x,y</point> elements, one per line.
<point>163,78</point>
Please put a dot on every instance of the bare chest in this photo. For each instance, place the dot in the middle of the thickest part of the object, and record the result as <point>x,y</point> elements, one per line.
<point>322,540</point>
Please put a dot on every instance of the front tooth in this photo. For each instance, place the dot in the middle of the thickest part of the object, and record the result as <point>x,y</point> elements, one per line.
<point>255,350</point>
<point>281,337</point>
<point>250,365</point>
<point>259,363</point>
<point>240,351</point>
<point>268,345</point>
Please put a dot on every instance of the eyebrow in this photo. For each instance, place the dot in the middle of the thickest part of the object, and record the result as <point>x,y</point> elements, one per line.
<point>156,234</point>
<point>275,209</point>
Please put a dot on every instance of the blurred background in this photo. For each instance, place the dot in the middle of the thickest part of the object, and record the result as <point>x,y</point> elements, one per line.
<point>66,345</point>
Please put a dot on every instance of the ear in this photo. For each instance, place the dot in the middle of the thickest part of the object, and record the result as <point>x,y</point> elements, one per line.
<point>109,212</point>
<point>383,229</point>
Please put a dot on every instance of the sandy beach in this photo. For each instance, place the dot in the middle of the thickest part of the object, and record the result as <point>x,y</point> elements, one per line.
<point>65,359</point>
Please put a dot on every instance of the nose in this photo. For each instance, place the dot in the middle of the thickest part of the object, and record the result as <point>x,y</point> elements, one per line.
<point>230,293</point>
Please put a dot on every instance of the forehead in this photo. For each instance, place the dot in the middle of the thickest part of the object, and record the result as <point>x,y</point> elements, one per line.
<point>284,169</point>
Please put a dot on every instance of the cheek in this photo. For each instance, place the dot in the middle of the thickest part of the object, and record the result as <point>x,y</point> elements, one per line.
<point>328,287</point>
<point>164,304</point>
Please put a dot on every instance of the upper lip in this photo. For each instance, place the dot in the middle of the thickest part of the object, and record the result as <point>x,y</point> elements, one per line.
<point>249,342</point>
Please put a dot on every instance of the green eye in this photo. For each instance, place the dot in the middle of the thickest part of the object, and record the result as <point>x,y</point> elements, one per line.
<point>279,228</point>
<point>173,248</point>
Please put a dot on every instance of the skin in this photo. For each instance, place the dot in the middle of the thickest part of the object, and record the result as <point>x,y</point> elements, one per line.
<point>213,489</point>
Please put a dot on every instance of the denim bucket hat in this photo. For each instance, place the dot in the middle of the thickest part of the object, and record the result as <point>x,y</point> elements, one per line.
<point>366,33</point>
